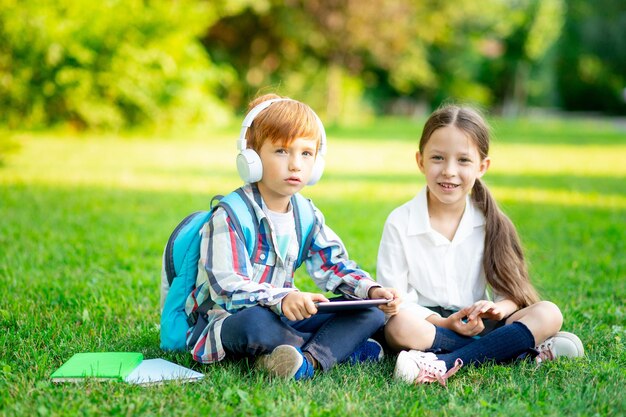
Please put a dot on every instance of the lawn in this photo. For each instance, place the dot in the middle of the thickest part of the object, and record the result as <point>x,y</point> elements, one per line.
<point>84,219</point>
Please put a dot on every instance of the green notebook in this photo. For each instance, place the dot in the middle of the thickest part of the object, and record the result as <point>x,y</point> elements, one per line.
<point>97,365</point>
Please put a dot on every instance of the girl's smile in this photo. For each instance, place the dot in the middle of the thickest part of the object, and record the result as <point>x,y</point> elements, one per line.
<point>448,186</point>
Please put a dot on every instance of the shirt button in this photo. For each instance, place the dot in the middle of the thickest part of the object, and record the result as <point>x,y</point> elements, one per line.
<point>262,256</point>
<point>251,298</point>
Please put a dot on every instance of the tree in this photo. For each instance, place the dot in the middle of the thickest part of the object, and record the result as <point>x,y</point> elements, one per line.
<point>333,46</point>
<point>591,63</point>
<point>110,64</point>
<point>494,48</point>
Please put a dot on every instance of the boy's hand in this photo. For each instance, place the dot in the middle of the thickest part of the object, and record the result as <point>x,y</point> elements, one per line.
<point>300,305</point>
<point>391,294</point>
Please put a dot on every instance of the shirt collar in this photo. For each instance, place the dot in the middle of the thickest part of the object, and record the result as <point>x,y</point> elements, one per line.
<point>260,209</point>
<point>253,194</point>
<point>419,222</point>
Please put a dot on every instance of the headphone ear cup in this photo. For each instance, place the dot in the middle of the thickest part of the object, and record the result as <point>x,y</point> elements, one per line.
<point>249,166</point>
<point>318,170</point>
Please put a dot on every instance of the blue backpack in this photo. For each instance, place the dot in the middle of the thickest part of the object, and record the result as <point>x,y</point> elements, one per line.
<point>182,252</point>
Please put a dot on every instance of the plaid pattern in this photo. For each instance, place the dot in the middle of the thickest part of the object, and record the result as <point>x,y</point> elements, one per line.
<point>228,281</point>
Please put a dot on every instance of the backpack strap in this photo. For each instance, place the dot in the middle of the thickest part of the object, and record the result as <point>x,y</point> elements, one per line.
<point>241,213</point>
<point>305,220</point>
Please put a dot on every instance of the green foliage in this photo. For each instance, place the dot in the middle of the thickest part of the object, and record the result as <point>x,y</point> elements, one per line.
<point>117,64</point>
<point>107,64</point>
<point>592,57</point>
<point>82,234</point>
<point>482,52</point>
<point>494,51</point>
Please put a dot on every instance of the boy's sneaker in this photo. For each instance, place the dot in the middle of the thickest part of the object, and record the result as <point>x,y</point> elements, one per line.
<point>561,344</point>
<point>370,350</point>
<point>416,367</point>
<point>286,361</point>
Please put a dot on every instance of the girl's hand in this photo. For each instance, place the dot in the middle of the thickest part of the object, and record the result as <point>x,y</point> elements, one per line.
<point>300,305</point>
<point>485,309</point>
<point>463,325</point>
<point>393,306</point>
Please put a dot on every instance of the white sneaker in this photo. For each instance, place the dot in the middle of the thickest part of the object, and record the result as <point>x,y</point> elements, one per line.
<point>416,367</point>
<point>561,344</point>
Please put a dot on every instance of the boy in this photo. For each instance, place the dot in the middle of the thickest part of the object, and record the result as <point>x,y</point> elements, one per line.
<point>252,308</point>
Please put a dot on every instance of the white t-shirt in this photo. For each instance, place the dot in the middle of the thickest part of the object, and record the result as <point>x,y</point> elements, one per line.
<point>424,266</point>
<point>284,230</point>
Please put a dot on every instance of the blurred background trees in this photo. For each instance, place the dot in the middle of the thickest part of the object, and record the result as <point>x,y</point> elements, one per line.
<point>117,64</point>
<point>107,64</point>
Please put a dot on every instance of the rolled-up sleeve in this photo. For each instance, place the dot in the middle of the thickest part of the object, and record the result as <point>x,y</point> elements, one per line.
<point>330,267</point>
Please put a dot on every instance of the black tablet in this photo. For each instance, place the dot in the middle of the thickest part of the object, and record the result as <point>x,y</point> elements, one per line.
<point>337,306</point>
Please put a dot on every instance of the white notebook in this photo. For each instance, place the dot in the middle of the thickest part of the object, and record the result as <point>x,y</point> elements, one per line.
<point>154,371</point>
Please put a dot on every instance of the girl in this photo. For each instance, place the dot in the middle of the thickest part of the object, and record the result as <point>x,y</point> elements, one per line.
<point>442,250</point>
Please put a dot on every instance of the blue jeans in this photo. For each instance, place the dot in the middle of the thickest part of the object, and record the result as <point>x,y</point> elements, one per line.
<point>330,337</point>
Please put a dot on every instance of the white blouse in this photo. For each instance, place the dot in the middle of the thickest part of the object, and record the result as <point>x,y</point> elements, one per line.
<point>424,266</point>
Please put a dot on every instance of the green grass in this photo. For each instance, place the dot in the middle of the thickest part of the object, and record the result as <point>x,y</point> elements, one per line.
<point>83,221</point>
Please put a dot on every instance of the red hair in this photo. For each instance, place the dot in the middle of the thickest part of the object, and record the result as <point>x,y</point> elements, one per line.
<point>283,121</point>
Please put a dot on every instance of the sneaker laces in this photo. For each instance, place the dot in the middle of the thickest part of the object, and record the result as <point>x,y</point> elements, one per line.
<point>458,363</point>
<point>545,351</point>
<point>430,371</point>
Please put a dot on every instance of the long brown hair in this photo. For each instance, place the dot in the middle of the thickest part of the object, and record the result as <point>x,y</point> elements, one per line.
<point>503,259</point>
<point>283,121</point>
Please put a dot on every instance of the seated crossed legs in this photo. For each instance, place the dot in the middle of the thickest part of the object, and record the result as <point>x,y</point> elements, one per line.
<point>293,349</point>
<point>436,353</point>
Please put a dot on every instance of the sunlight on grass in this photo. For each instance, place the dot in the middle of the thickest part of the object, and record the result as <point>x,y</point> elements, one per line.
<point>562,198</point>
<point>372,170</point>
<point>592,160</point>
<point>85,220</point>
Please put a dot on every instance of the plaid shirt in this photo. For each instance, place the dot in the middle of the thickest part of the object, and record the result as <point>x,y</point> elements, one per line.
<point>228,281</point>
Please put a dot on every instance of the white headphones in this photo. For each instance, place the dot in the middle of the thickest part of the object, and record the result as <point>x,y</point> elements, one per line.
<point>249,163</point>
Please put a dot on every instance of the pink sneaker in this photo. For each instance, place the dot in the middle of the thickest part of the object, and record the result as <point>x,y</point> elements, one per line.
<point>561,344</point>
<point>418,367</point>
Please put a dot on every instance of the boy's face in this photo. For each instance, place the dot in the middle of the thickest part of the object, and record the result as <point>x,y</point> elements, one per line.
<point>286,170</point>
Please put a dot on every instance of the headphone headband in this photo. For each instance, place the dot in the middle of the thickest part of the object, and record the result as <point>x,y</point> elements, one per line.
<point>242,143</point>
<point>249,163</point>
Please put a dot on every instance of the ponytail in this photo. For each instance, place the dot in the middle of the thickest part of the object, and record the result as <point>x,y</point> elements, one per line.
<point>503,259</point>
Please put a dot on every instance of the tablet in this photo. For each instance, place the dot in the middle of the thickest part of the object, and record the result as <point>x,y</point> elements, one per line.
<point>337,306</point>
